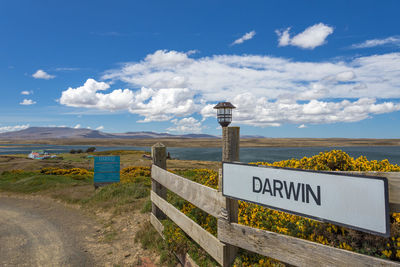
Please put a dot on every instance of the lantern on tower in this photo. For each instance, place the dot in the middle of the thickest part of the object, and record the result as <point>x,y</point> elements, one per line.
<point>224,113</point>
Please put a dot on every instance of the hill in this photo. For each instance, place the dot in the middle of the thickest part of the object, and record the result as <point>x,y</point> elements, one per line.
<point>72,133</point>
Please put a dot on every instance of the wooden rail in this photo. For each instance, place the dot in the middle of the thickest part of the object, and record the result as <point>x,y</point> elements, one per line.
<point>294,251</point>
<point>207,241</point>
<point>203,197</point>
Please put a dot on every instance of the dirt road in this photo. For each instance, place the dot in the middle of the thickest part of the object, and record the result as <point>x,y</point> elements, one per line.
<point>37,233</point>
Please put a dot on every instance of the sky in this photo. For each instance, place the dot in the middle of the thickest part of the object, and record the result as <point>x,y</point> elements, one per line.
<point>291,68</point>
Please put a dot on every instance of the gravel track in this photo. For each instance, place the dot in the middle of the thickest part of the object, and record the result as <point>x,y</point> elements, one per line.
<point>34,232</point>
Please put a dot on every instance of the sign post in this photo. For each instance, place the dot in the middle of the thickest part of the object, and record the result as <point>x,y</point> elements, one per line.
<point>106,170</point>
<point>358,202</point>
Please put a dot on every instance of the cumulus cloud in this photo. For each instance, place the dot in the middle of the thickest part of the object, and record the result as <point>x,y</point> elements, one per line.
<point>88,96</point>
<point>101,127</point>
<point>26,92</point>
<point>393,40</point>
<point>41,74</point>
<point>154,105</point>
<point>4,129</point>
<point>310,38</point>
<point>27,102</point>
<point>186,125</point>
<point>245,37</point>
<point>302,126</point>
<point>262,112</point>
<point>268,91</point>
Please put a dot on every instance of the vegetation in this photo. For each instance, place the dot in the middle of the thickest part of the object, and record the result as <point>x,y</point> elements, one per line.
<point>78,151</point>
<point>31,182</point>
<point>91,149</point>
<point>133,191</point>
<point>335,160</point>
<point>149,238</point>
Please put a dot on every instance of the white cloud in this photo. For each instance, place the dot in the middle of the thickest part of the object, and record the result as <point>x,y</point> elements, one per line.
<point>302,126</point>
<point>26,92</point>
<point>54,125</point>
<point>186,125</point>
<point>245,37</point>
<point>310,38</point>
<point>101,127</point>
<point>41,74</point>
<point>4,129</point>
<point>261,112</point>
<point>77,126</point>
<point>268,91</point>
<point>154,105</point>
<point>27,102</point>
<point>87,96</point>
<point>284,37</point>
<point>393,40</point>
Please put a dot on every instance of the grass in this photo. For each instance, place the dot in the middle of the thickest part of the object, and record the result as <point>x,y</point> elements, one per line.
<point>150,239</point>
<point>118,196</point>
<point>79,190</point>
<point>31,182</point>
<point>146,206</point>
<point>129,158</point>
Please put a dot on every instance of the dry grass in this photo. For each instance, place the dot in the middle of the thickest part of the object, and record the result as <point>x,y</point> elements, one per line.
<point>129,158</point>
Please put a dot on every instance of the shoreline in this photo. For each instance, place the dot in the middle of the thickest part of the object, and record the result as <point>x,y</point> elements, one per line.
<point>210,142</point>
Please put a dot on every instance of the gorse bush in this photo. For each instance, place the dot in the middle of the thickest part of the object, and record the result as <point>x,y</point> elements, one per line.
<point>335,160</point>
<point>75,173</point>
<point>131,174</point>
<point>128,175</point>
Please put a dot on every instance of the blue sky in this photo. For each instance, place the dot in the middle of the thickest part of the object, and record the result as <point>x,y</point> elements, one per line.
<point>292,68</point>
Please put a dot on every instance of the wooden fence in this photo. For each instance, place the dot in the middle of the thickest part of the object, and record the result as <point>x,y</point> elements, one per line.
<point>231,235</point>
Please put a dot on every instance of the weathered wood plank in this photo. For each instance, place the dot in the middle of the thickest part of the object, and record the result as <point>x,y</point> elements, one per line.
<point>206,240</point>
<point>230,143</point>
<point>231,212</point>
<point>157,224</point>
<point>394,187</point>
<point>203,197</point>
<point>230,153</point>
<point>159,158</point>
<point>292,250</point>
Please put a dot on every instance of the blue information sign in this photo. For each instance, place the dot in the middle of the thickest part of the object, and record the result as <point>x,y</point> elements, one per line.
<point>106,169</point>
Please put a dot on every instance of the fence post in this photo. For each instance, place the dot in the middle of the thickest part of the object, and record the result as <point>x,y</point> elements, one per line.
<point>159,158</point>
<point>230,153</point>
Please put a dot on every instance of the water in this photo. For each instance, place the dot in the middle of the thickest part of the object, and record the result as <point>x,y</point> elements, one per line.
<point>247,154</point>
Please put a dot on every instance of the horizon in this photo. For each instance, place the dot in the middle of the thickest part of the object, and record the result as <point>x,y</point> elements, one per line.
<point>305,69</point>
<point>184,134</point>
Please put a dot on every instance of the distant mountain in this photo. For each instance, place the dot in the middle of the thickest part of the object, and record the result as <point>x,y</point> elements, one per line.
<point>65,132</point>
<point>54,132</point>
<point>251,136</point>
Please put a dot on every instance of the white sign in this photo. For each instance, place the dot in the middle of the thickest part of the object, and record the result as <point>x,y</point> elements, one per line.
<point>357,202</point>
